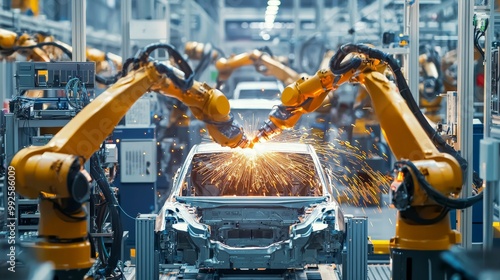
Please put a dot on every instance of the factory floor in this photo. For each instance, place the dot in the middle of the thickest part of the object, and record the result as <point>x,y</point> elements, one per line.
<point>322,272</point>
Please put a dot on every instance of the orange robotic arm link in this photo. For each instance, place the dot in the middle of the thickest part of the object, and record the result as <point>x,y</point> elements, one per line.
<point>264,63</point>
<point>11,42</point>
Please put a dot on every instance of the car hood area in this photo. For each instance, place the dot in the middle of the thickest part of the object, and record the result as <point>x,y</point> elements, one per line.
<point>250,232</point>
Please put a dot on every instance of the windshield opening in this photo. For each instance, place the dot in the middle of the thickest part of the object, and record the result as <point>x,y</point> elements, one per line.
<point>241,174</point>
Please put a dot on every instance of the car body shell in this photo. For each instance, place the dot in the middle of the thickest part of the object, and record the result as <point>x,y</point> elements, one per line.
<point>237,231</point>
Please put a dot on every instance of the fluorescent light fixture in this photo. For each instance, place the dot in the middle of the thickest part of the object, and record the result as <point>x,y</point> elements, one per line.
<point>270,17</point>
<point>272,8</point>
<point>271,12</point>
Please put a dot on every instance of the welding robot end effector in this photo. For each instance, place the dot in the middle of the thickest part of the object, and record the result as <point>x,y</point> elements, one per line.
<point>266,132</point>
<point>280,118</point>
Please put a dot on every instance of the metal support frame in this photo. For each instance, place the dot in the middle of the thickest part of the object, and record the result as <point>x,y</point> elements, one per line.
<point>146,10</point>
<point>380,20</point>
<point>126,16</point>
<point>168,11</point>
<point>491,183</point>
<point>3,81</point>
<point>187,20</point>
<point>465,89</point>
<point>296,32</point>
<point>78,29</point>
<point>320,17</point>
<point>489,166</point>
<point>147,260</point>
<point>6,80</point>
<point>488,40</point>
<point>353,17</point>
<point>414,35</point>
<point>355,254</point>
<point>6,4</point>
<point>222,38</point>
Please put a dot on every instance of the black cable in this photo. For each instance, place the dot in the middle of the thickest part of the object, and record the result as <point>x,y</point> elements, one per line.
<point>183,83</point>
<point>205,60</point>
<point>129,61</point>
<point>54,44</point>
<point>220,51</point>
<point>100,220</point>
<point>459,203</point>
<point>108,80</point>
<point>125,68</point>
<point>478,36</point>
<point>98,175</point>
<point>267,50</point>
<point>126,214</point>
<point>179,60</point>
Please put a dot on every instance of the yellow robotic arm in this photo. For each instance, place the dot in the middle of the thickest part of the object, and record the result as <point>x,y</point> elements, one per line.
<point>306,95</point>
<point>44,47</point>
<point>429,180</point>
<point>430,86</point>
<point>103,60</point>
<point>54,174</point>
<point>24,5</point>
<point>263,62</point>
<point>196,50</point>
<point>11,42</point>
<point>7,39</point>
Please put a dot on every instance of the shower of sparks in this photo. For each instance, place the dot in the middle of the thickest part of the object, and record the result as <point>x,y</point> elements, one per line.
<point>254,172</point>
<point>354,181</point>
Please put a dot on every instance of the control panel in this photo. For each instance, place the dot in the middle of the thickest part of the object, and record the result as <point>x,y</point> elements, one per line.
<point>46,75</point>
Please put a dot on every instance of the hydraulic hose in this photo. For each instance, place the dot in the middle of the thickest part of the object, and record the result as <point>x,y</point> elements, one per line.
<point>98,175</point>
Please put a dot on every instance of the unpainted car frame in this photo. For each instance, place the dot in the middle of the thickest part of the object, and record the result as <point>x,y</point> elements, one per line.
<point>232,231</point>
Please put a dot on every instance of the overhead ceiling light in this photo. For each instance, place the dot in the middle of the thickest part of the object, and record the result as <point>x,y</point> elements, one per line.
<point>269,25</point>
<point>270,18</point>
<point>271,12</point>
<point>272,8</point>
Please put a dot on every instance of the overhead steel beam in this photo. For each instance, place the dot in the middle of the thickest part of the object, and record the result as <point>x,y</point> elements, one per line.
<point>411,28</point>
<point>491,185</point>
